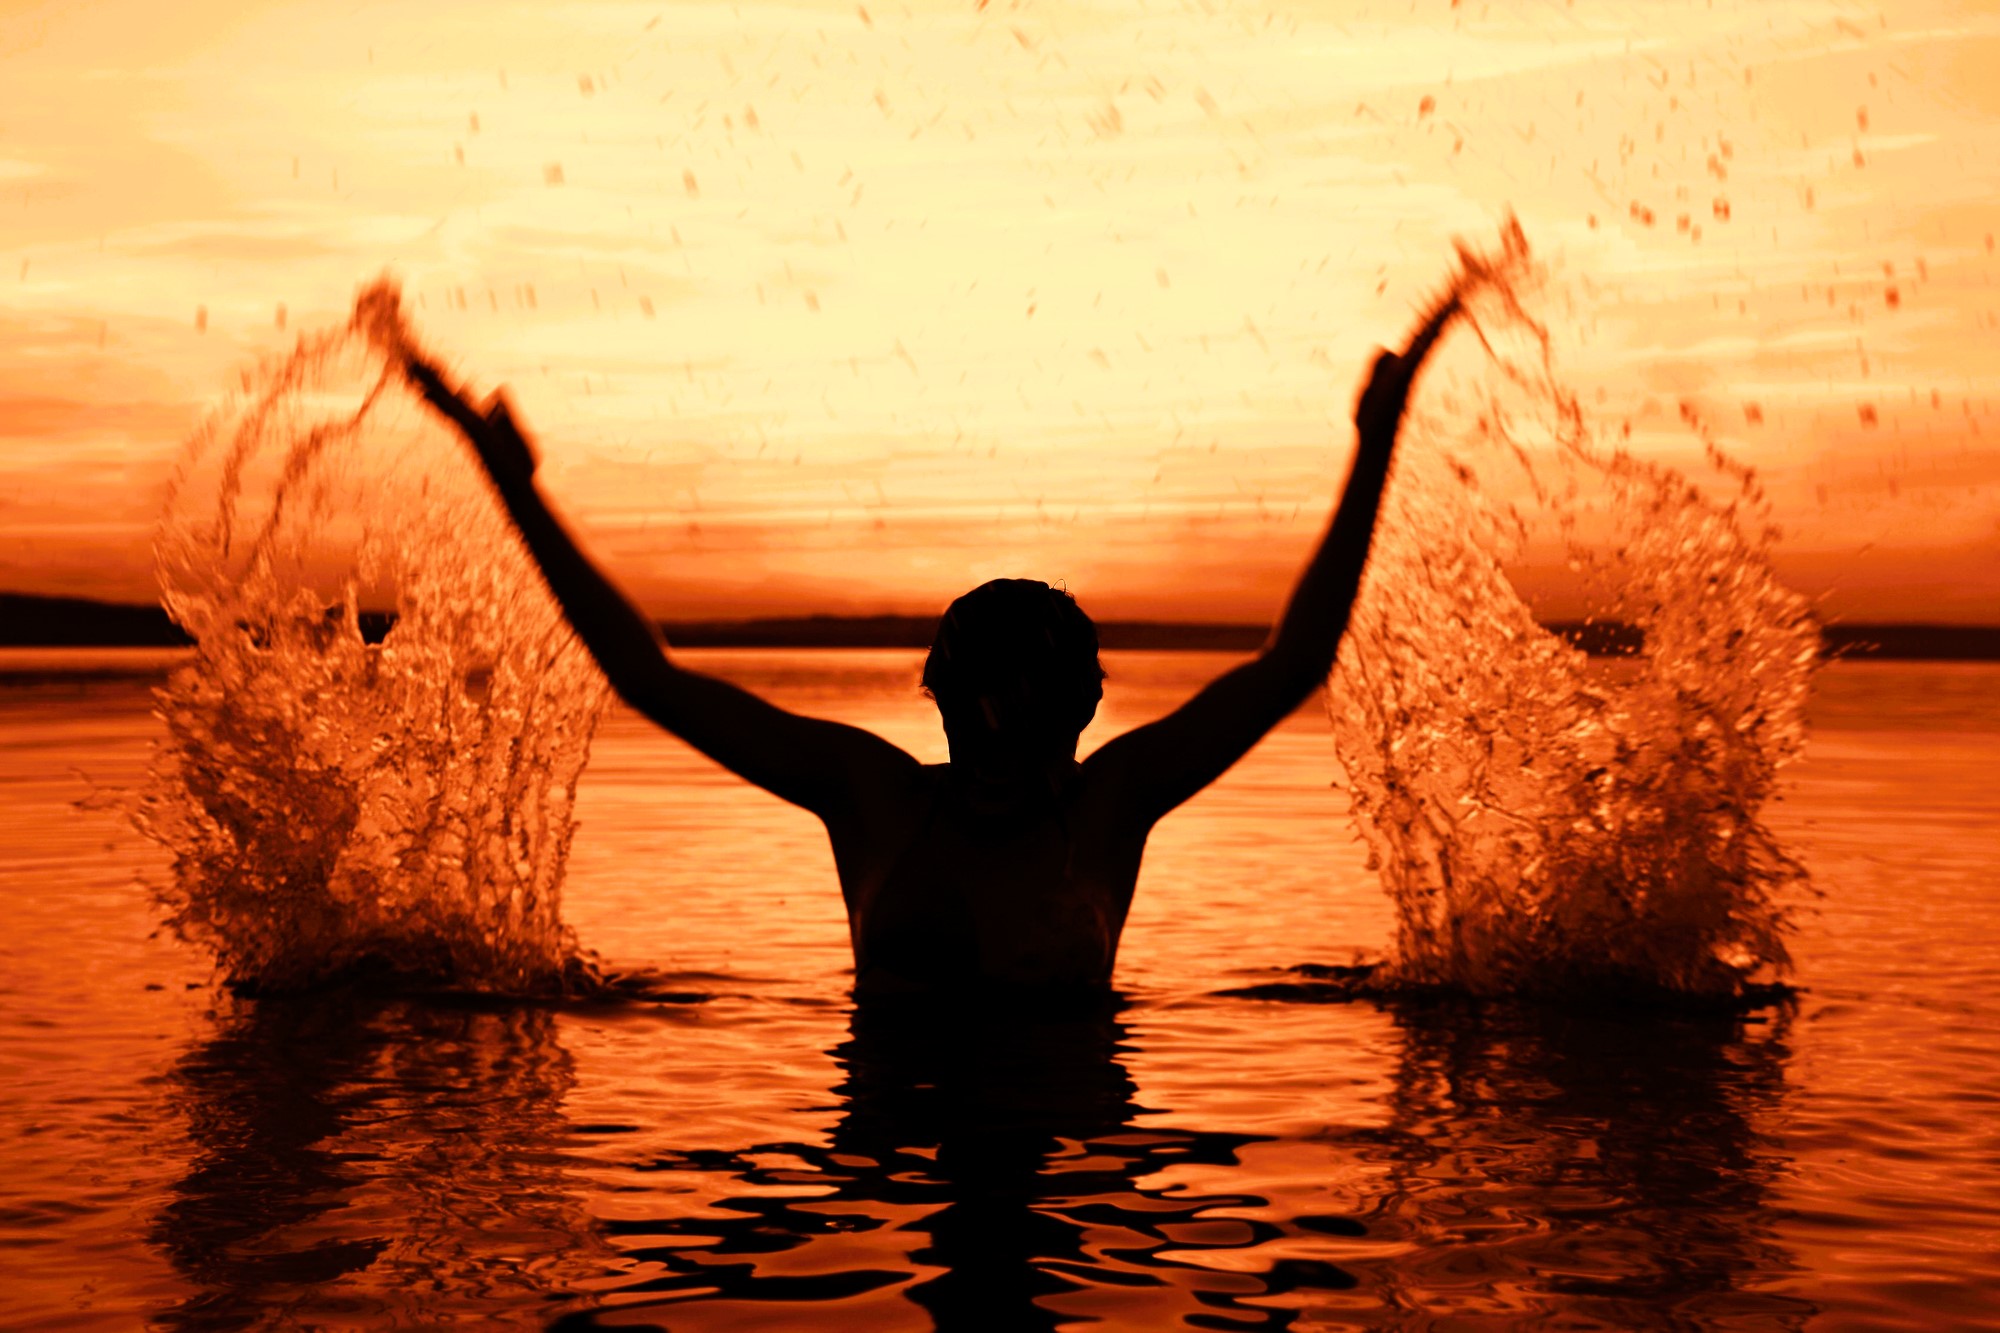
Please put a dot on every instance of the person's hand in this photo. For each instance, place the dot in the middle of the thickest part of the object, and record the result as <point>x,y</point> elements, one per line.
<point>1380,410</point>
<point>506,453</point>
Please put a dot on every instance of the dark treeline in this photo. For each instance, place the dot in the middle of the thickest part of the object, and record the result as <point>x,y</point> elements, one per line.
<point>28,620</point>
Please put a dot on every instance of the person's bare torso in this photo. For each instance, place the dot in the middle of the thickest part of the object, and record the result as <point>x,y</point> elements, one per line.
<point>949,892</point>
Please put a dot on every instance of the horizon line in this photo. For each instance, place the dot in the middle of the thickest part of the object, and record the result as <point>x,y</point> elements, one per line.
<point>38,620</point>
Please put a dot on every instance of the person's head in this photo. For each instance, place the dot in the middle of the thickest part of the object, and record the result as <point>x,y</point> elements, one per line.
<point>1015,675</point>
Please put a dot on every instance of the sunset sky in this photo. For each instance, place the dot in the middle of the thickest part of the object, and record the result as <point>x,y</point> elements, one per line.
<point>848,307</point>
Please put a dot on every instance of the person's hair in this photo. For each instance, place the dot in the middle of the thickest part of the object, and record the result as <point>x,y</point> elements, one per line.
<point>1018,638</point>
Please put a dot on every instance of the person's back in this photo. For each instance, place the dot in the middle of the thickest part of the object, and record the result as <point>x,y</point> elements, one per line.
<point>1007,866</point>
<point>1011,867</point>
<point>1026,896</point>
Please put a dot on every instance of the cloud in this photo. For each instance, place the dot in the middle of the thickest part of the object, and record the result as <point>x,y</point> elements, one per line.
<point>239,246</point>
<point>920,288</point>
<point>44,418</point>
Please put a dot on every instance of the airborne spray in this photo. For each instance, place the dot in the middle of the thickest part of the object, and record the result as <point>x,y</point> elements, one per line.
<point>1543,822</point>
<point>1540,821</point>
<point>335,805</point>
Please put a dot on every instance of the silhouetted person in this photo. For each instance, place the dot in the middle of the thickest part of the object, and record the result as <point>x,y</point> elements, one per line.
<point>1011,866</point>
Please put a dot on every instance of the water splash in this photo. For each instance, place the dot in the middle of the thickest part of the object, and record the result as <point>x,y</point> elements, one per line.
<point>1543,822</point>
<point>335,804</point>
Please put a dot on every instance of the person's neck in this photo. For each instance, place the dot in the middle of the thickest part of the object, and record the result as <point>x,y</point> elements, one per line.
<point>1046,784</point>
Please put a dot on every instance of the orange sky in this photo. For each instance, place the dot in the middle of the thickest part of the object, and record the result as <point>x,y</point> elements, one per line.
<point>826,306</point>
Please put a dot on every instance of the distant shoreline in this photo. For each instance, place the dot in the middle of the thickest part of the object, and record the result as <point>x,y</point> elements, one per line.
<point>32,621</point>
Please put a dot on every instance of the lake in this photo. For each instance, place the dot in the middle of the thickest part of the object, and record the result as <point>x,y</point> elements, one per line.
<point>750,1153</point>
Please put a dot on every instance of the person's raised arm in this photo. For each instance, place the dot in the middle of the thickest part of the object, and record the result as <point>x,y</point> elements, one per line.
<point>820,765</point>
<point>1159,765</point>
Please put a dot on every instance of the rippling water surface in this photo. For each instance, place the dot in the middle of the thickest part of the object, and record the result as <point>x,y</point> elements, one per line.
<point>750,1153</point>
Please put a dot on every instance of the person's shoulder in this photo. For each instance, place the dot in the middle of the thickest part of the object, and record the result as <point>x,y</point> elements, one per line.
<point>1101,805</point>
<point>930,782</point>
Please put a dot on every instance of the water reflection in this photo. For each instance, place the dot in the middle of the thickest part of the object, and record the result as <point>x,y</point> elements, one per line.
<point>1583,1169</point>
<point>362,1161</point>
<point>996,1172</point>
<point>370,1162</point>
